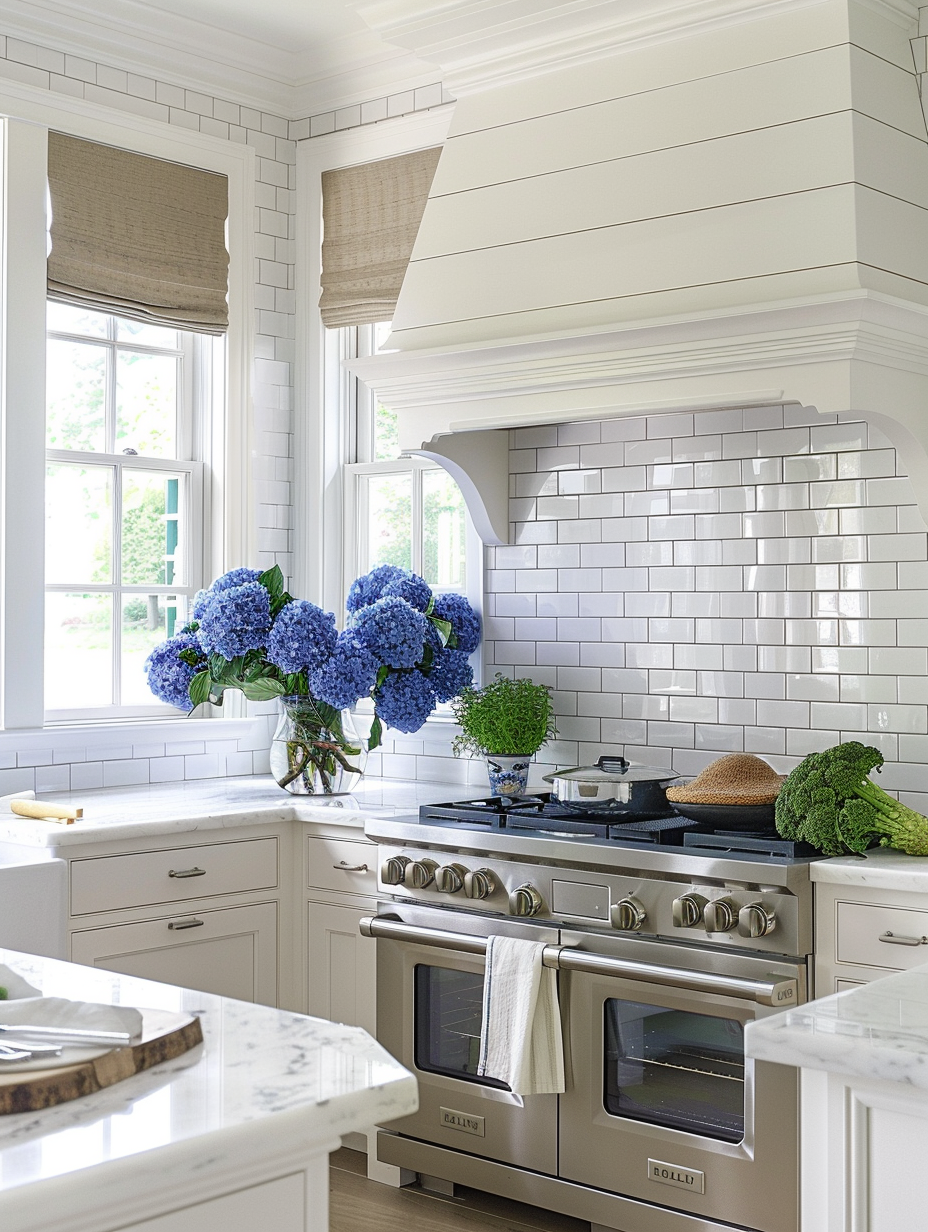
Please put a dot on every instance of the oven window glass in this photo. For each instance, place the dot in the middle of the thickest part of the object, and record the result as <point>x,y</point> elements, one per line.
<point>674,1068</point>
<point>449,1010</point>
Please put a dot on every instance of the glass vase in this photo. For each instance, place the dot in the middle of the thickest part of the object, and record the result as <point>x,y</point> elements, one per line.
<point>316,750</point>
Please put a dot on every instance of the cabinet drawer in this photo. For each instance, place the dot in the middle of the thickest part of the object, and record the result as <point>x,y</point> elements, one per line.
<point>862,930</point>
<point>110,883</point>
<point>231,952</point>
<point>348,865</point>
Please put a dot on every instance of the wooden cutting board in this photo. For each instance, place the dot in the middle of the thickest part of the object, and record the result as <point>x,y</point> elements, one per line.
<point>165,1035</point>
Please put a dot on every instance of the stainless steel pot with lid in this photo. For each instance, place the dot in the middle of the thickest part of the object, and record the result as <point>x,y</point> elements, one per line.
<point>613,785</point>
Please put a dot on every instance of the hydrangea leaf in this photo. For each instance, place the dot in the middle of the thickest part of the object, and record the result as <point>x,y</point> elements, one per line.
<point>263,690</point>
<point>376,734</point>
<point>200,687</point>
<point>445,631</point>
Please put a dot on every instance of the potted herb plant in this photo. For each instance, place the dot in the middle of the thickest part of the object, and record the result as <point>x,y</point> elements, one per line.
<point>507,722</point>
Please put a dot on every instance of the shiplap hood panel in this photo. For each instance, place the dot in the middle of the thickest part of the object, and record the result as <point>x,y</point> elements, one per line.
<point>646,207</point>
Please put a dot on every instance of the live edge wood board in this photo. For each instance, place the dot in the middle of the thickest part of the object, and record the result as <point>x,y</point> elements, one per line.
<point>164,1037</point>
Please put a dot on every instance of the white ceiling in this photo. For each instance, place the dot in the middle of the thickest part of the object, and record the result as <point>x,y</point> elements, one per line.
<point>295,57</point>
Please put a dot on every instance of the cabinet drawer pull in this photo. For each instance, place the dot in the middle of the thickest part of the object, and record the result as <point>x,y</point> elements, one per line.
<point>344,867</point>
<point>187,872</point>
<point>892,939</point>
<point>193,922</point>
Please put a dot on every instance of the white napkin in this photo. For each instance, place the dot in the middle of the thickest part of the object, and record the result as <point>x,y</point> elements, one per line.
<point>520,1037</point>
<point>26,1005</point>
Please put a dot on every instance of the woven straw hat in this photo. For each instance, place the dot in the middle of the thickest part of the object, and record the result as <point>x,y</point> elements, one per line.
<point>739,778</point>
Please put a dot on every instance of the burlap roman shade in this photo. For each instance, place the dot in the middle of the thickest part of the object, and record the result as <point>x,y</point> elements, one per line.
<point>371,215</point>
<point>137,236</point>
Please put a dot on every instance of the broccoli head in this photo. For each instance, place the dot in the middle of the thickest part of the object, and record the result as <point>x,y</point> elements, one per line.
<point>829,801</point>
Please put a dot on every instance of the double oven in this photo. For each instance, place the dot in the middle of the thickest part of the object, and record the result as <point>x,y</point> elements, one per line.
<point>665,1124</point>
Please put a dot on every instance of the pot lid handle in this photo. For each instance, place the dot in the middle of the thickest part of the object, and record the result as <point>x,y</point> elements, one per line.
<point>612,765</point>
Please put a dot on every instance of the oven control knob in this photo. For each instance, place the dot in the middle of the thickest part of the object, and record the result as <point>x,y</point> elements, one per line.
<point>756,920</point>
<point>628,915</point>
<point>687,910</point>
<point>479,884</point>
<point>420,873</point>
<point>720,916</point>
<point>525,900</point>
<point>394,869</point>
<point>450,879</point>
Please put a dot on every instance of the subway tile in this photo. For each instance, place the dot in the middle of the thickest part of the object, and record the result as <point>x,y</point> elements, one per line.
<point>559,457</point>
<point>718,525</point>
<point>707,423</point>
<point>736,603</point>
<point>608,603</point>
<point>773,713</point>
<point>843,549</point>
<point>737,500</point>
<point>783,605</point>
<point>852,604</point>
<point>696,657</point>
<point>536,579</point>
<point>812,632</point>
<point>802,743</point>
<point>836,493</point>
<point>791,551</point>
<point>668,425</point>
<point>671,475</point>
<point>837,437</point>
<point>561,606</point>
<point>697,449</point>
<point>680,526</point>
<point>764,472</point>
<point>586,433</point>
<point>625,629</point>
<point>896,491</point>
<point>672,682</point>
<point>125,773</point>
<point>652,603</point>
<point>624,479</point>
<point>20,779</point>
<point>761,740</point>
<point>671,735</point>
<point>86,775</point>
<point>783,659</point>
<point>869,464</point>
<point>844,660</point>
<point>581,530</point>
<point>646,504</point>
<point>856,688</point>
<point>624,428</point>
<point>595,555</point>
<point>909,520</point>
<point>602,654</point>
<point>720,684</point>
<point>625,579</point>
<point>572,482</point>
<point>719,739</point>
<point>738,710</point>
<point>53,778</point>
<point>672,577</point>
<point>910,719</point>
<point>719,577</point>
<point>579,579</point>
<point>694,500</point>
<point>723,631</point>
<point>898,547</point>
<point>557,654</point>
<point>912,632</point>
<point>812,688</point>
<point>606,505</point>
<point>671,629</point>
<point>624,529</point>
<point>739,445</point>
<point>694,709</point>
<point>642,654</point>
<point>867,632</point>
<point>912,689</point>
<point>898,661</point>
<point>647,453</point>
<point>717,474</point>
<point>764,525</point>
<point>764,685</point>
<point>878,521</point>
<point>568,555</point>
<point>645,706</point>
<point>812,467</point>
<point>698,552</point>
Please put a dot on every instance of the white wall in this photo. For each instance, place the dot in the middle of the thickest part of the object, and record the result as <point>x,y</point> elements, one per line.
<point>694,585</point>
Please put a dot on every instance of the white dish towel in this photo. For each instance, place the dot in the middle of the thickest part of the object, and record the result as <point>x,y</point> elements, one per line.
<point>520,1036</point>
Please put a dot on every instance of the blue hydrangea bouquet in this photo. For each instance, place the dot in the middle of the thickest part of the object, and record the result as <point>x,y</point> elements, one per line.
<point>403,646</point>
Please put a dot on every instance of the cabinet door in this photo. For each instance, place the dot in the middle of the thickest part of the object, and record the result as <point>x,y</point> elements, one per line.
<point>342,973</point>
<point>231,952</point>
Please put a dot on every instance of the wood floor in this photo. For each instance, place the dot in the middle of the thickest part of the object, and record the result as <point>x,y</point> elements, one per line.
<point>360,1205</point>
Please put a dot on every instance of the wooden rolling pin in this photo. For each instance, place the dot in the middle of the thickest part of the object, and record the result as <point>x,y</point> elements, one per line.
<point>46,812</point>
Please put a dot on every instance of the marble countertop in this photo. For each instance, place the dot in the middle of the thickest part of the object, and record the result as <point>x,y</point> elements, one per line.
<point>879,1030</point>
<point>882,868</point>
<point>211,804</point>
<point>263,1081</point>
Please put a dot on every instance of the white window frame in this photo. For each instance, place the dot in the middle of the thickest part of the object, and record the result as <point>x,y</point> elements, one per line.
<point>328,552</point>
<point>194,410</point>
<point>27,115</point>
<point>324,443</point>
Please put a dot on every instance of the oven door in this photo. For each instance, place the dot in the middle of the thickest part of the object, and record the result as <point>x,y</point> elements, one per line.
<point>663,1104</point>
<point>429,1008</point>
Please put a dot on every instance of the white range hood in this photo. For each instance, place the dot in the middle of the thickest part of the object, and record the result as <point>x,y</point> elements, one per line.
<point>646,206</point>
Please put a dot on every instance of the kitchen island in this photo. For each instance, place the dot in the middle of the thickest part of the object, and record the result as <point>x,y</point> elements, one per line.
<point>863,1056</point>
<point>229,1137</point>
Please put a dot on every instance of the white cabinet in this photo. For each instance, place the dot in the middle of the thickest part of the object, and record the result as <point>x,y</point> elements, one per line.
<point>211,915</point>
<point>862,933</point>
<point>341,968</point>
<point>231,951</point>
<point>280,1204</point>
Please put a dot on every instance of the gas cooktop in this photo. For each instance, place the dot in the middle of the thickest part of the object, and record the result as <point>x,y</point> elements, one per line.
<point>539,816</point>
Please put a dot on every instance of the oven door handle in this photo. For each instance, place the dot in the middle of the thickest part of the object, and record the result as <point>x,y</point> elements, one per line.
<point>775,990</point>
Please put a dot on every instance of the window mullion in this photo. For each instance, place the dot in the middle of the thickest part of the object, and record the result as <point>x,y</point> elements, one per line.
<point>116,567</point>
<point>416,517</point>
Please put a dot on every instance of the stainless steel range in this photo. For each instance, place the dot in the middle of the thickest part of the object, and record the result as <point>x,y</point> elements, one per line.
<point>668,939</point>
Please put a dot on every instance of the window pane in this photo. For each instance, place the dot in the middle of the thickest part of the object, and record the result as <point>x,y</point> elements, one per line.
<point>443,531</point>
<point>148,335</point>
<point>146,621</point>
<point>151,531</point>
<point>146,404</point>
<point>75,383</point>
<point>69,319</point>
<point>78,523</point>
<point>78,650</point>
<point>389,521</point>
<point>386,434</point>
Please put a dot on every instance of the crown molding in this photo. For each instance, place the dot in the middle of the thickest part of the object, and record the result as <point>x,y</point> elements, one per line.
<point>195,55</point>
<point>479,43</point>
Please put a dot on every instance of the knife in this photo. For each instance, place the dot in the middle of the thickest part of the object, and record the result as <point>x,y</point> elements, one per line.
<point>64,1035</point>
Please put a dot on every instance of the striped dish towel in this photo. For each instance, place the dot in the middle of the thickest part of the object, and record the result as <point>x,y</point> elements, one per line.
<point>520,1035</point>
